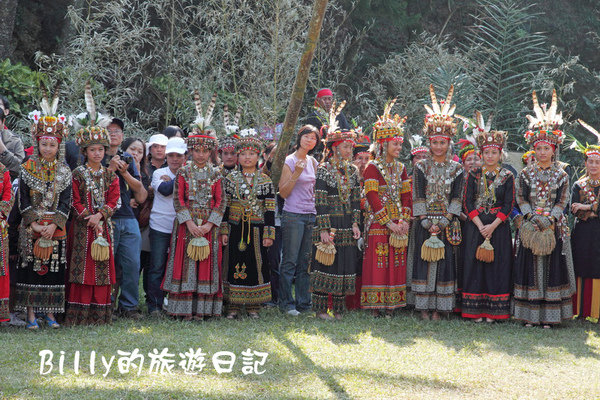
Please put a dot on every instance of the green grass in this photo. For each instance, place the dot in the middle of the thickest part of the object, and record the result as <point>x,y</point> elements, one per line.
<point>359,357</point>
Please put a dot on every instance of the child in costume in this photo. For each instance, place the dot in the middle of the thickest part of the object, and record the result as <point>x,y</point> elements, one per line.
<point>96,193</point>
<point>44,203</point>
<point>193,277</point>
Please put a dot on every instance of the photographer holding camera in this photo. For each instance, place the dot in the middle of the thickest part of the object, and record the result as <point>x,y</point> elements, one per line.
<point>127,239</point>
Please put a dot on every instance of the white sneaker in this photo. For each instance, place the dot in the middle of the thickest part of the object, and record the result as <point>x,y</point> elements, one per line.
<point>293,313</point>
<point>16,321</point>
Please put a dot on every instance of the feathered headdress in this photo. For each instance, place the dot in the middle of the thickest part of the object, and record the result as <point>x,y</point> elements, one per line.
<point>439,120</point>
<point>362,142</point>
<point>482,135</point>
<point>544,126</point>
<point>589,150</point>
<point>47,122</point>
<point>228,141</point>
<point>468,144</point>
<point>389,127</point>
<point>332,129</point>
<point>91,126</point>
<point>416,145</point>
<point>202,134</point>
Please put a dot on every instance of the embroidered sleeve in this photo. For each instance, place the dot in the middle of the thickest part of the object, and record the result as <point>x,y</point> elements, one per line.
<point>64,205</point>
<point>509,198</point>
<point>180,197</point>
<point>219,203</point>
<point>228,190</point>
<point>405,196</point>
<point>562,198</point>
<point>522,193</point>
<point>576,192</point>
<point>372,182</point>
<point>25,207</point>
<point>111,198</point>
<point>8,199</point>
<point>456,194</point>
<point>355,198</point>
<point>79,197</point>
<point>471,193</point>
<point>322,199</point>
<point>269,199</point>
<point>419,191</point>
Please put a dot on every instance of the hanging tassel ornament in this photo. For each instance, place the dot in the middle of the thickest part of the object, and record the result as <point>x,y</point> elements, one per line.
<point>326,252</point>
<point>399,241</point>
<point>43,247</point>
<point>433,249</point>
<point>485,252</point>
<point>245,220</point>
<point>540,243</point>
<point>100,247</point>
<point>199,248</point>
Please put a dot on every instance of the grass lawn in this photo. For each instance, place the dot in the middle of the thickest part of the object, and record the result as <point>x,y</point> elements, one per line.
<point>359,357</point>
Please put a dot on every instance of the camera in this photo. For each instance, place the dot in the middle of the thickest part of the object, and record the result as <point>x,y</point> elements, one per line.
<point>127,159</point>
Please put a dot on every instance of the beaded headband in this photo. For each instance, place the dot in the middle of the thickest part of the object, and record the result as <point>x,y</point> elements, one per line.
<point>249,140</point>
<point>389,127</point>
<point>231,137</point>
<point>591,150</point>
<point>416,145</point>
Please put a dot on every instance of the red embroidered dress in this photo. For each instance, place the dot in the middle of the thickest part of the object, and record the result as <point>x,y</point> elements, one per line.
<point>6,203</point>
<point>389,198</point>
<point>89,290</point>
<point>195,288</point>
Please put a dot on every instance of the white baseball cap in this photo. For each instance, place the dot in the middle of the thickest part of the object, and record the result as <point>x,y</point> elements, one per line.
<point>159,139</point>
<point>176,145</point>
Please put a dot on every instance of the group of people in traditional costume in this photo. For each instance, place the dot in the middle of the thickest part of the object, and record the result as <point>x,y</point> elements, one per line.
<point>355,229</point>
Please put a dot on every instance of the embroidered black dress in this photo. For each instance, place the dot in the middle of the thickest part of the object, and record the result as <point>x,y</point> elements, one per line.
<point>487,286</point>
<point>586,251</point>
<point>337,200</point>
<point>250,216</point>
<point>437,192</point>
<point>544,285</point>
<point>44,197</point>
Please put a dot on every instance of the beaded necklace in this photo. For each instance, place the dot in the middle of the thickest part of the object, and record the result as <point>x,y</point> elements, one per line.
<point>96,188</point>
<point>200,185</point>
<point>487,191</point>
<point>48,172</point>
<point>439,183</point>
<point>391,175</point>
<point>248,200</point>
<point>544,183</point>
<point>342,179</point>
<point>588,188</point>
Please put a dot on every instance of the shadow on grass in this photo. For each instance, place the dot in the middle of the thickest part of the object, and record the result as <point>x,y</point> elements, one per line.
<point>328,375</point>
<point>509,337</point>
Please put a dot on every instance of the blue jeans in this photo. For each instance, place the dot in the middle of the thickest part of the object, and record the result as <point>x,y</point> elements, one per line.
<point>159,249</point>
<point>127,243</point>
<point>296,231</point>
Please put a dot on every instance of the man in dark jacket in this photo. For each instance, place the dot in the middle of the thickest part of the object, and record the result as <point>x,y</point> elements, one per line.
<point>320,116</point>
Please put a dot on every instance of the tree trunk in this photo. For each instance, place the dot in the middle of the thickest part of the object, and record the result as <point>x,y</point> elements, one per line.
<point>8,12</point>
<point>293,110</point>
